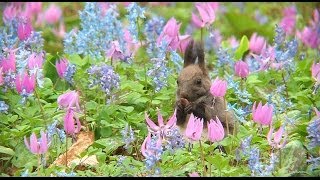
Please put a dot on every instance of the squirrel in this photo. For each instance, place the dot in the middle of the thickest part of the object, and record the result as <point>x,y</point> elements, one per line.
<point>193,92</point>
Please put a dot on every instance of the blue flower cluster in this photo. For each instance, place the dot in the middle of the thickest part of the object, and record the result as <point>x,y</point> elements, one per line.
<point>314,133</point>
<point>105,77</point>
<point>96,32</point>
<point>315,162</point>
<point>52,130</point>
<point>3,107</point>
<point>128,136</point>
<point>64,174</point>
<point>253,154</point>
<point>134,12</point>
<point>177,60</point>
<point>243,95</point>
<point>68,75</point>
<point>174,140</point>
<point>225,58</point>
<point>152,158</point>
<point>285,51</point>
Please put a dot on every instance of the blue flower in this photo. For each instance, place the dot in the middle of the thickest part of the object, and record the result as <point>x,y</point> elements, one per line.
<point>105,77</point>
<point>68,75</point>
<point>177,60</point>
<point>134,12</point>
<point>314,133</point>
<point>127,136</point>
<point>3,107</point>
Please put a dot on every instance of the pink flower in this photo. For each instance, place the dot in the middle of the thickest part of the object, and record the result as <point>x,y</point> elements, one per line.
<point>69,126</point>
<point>262,114</point>
<point>9,13</point>
<point>33,8</point>
<point>218,87</point>
<point>315,72</point>
<point>241,69</point>
<point>24,28</point>
<point>69,100</point>
<point>145,147</point>
<point>194,174</point>
<point>53,14</point>
<point>35,60</point>
<point>170,34</point>
<point>184,41</point>
<point>132,47</point>
<point>194,128</point>
<point>289,20</point>
<point>257,44</point>
<point>61,32</point>
<point>161,129</point>
<point>207,15</point>
<point>61,67</point>
<point>9,64</point>
<point>317,112</point>
<point>25,82</point>
<point>215,130</point>
<point>274,140</point>
<point>233,42</point>
<point>37,146</point>
<point>309,37</point>
<point>115,52</point>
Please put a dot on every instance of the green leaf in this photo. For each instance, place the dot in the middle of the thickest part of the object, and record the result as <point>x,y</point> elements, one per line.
<point>77,60</point>
<point>6,150</point>
<point>243,47</point>
<point>110,144</point>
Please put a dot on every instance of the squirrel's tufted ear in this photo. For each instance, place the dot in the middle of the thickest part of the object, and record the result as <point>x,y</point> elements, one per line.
<point>200,54</point>
<point>189,55</point>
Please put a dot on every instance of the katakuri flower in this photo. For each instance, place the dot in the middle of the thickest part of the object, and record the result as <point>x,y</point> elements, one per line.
<point>161,129</point>
<point>69,126</point>
<point>257,44</point>
<point>274,140</point>
<point>170,34</point>
<point>53,14</point>
<point>215,130</point>
<point>241,69</point>
<point>37,146</point>
<point>61,67</point>
<point>25,82</point>
<point>262,114</point>
<point>69,100</point>
<point>315,72</point>
<point>207,15</point>
<point>194,128</point>
<point>218,87</point>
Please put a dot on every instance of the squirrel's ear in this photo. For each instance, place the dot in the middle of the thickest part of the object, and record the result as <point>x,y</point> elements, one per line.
<point>200,54</point>
<point>189,55</point>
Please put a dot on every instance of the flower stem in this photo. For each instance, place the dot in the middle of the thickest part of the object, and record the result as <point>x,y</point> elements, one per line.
<point>38,171</point>
<point>210,153</point>
<point>66,152</point>
<point>41,108</point>
<point>202,159</point>
<point>225,105</point>
<point>201,31</point>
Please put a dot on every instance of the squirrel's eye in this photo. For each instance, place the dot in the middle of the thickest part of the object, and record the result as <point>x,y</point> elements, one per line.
<point>198,81</point>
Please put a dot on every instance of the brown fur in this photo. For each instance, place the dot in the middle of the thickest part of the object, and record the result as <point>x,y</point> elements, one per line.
<point>193,92</point>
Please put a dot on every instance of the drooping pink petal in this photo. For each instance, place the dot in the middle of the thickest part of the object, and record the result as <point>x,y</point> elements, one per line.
<point>43,143</point>
<point>150,123</point>
<point>34,146</point>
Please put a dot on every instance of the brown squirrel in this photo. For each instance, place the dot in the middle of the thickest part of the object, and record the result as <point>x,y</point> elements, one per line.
<point>193,92</point>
